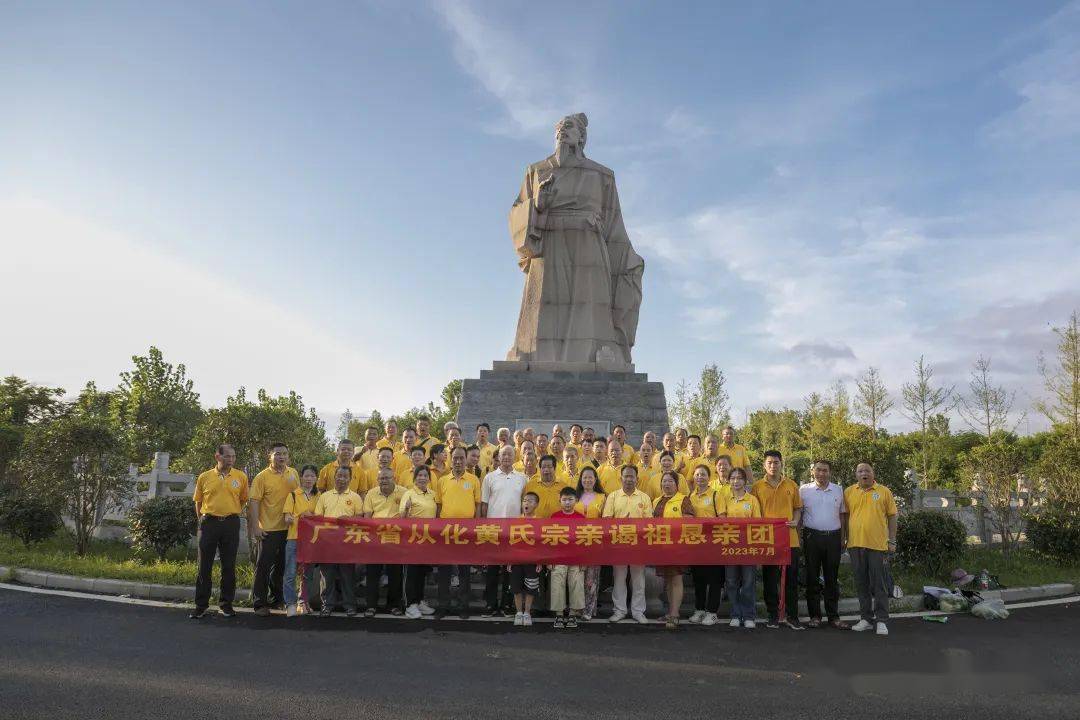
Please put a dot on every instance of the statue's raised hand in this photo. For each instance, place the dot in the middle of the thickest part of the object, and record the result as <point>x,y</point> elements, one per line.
<point>546,193</point>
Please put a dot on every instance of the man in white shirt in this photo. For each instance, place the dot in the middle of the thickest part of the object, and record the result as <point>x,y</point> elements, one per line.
<point>500,497</point>
<point>823,542</point>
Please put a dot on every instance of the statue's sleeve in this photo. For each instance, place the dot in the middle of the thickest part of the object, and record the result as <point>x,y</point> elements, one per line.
<point>525,224</point>
<point>627,267</point>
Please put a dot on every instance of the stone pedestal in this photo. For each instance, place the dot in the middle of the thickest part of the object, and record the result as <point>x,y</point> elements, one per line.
<point>518,394</point>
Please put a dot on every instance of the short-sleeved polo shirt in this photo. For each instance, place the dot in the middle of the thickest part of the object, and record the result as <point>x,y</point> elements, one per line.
<point>869,511</point>
<point>271,489</point>
<point>221,495</point>
<point>779,502</point>
<point>458,497</point>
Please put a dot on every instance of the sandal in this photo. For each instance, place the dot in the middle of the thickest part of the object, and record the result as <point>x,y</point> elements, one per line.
<point>839,624</point>
<point>813,623</point>
<point>671,623</point>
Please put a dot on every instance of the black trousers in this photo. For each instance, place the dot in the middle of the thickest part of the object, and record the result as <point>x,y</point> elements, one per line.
<point>269,570</point>
<point>497,587</point>
<point>708,580</point>
<point>770,586</point>
<point>338,577</point>
<point>393,587</point>
<point>217,536</point>
<point>822,552</point>
<point>463,590</point>
<point>415,575</point>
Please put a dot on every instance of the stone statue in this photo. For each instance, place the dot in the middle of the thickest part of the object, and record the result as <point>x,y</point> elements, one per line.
<point>582,276</point>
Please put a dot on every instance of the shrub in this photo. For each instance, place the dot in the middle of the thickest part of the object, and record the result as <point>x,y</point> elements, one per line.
<point>929,540</point>
<point>160,524</point>
<point>1055,534</point>
<point>27,517</point>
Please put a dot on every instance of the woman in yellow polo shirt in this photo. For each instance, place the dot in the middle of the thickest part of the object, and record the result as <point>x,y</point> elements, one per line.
<point>708,579</point>
<point>418,502</point>
<point>590,503</point>
<point>672,504</point>
<point>741,579</point>
<point>299,503</point>
<point>437,461</point>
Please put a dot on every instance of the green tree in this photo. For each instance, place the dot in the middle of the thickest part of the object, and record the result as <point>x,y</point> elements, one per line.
<point>884,453</point>
<point>987,407</point>
<point>872,399</point>
<point>704,410</point>
<point>1058,468</point>
<point>1062,381</point>
<point>769,429</point>
<point>993,469</point>
<point>155,407</point>
<point>22,404</point>
<point>250,427</point>
<point>357,428</point>
<point>920,401</point>
<point>79,459</point>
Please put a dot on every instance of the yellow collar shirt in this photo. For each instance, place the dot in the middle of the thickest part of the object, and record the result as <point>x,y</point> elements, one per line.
<point>620,505</point>
<point>458,497</point>
<point>416,504</point>
<point>869,511</point>
<point>296,505</point>
<point>333,504</point>
<point>378,505</point>
<point>221,495</point>
<point>271,489</point>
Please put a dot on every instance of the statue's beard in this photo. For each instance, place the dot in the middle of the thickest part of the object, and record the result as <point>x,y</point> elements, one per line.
<point>565,153</point>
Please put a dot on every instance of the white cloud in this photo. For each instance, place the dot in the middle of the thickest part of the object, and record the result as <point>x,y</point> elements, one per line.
<point>1047,84</point>
<point>83,298</point>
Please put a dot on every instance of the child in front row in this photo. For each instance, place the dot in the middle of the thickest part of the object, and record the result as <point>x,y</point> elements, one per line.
<point>567,579</point>
<point>525,579</point>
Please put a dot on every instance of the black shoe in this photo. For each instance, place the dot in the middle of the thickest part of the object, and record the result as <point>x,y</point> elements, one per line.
<point>560,622</point>
<point>793,625</point>
<point>439,614</point>
<point>396,611</point>
<point>197,614</point>
<point>227,611</point>
<point>772,624</point>
<point>490,612</point>
<point>324,612</point>
<point>263,611</point>
<point>350,612</point>
<point>571,623</point>
<point>463,614</point>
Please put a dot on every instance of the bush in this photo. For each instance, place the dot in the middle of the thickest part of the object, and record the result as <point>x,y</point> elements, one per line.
<point>27,517</point>
<point>1055,534</point>
<point>930,540</point>
<point>160,524</point>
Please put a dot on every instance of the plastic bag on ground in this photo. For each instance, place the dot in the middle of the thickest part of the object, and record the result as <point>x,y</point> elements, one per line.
<point>952,602</point>
<point>990,610</point>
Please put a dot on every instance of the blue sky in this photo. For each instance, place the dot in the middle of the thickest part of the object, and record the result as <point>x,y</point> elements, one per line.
<point>314,196</point>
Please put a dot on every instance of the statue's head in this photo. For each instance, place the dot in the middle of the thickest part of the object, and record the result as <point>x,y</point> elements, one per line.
<point>572,131</point>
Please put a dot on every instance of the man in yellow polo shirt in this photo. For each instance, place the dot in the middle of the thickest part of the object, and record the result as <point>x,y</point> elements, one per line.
<point>384,501</point>
<point>628,502</point>
<point>367,454</point>
<point>779,498</point>
<point>338,503</point>
<point>629,456</point>
<point>485,446</point>
<point>738,454</point>
<point>266,524</point>
<point>611,469</point>
<point>546,487</point>
<point>423,433</point>
<point>345,451</point>
<point>220,494</point>
<point>457,496</point>
<point>871,536</point>
<point>390,438</point>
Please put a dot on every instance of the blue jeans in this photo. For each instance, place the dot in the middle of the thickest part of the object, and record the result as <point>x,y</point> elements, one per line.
<point>741,590</point>
<point>310,588</point>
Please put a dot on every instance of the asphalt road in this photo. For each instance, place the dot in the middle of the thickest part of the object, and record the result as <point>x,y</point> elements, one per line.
<point>78,658</point>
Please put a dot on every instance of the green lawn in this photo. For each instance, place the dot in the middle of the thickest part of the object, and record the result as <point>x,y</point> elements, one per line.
<point>1018,569</point>
<point>109,559</point>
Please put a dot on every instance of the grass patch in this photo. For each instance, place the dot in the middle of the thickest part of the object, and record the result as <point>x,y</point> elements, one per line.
<point>111,559</point>
<point>1020,568</point>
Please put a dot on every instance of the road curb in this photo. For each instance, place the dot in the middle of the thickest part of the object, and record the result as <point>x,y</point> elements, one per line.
<point>186,593</point>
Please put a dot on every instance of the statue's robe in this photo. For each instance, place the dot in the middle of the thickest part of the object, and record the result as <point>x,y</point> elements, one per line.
<point>583,278</point>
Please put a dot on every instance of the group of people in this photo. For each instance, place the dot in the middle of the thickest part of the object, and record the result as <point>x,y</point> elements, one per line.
<point>529,474</point>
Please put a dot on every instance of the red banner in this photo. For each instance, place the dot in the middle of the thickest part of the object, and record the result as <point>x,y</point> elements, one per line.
<point>490,541</point>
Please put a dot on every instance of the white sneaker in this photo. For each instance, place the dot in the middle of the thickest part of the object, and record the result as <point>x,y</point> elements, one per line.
<point>641,619</point>
<point>735,622</point>
<point>290,611</point>
<point>697,618</point>
<point>617,616</point>
<point>749,624</point>
<point>519,619</point>
<point>413,612</point>
<point>425,609</point>
<point>526,619</point>
<point>861,626</point>
<point>881,629</point>
<point>710,619</point>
